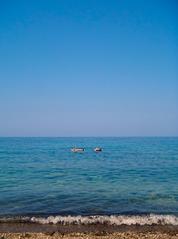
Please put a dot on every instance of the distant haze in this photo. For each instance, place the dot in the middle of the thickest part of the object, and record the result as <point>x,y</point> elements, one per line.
<point>89,68</point>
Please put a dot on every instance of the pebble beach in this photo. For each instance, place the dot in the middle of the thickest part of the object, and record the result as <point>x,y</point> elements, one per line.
<point>122,235</point>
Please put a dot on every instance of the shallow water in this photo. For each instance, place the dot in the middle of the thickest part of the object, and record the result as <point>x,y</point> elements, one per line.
<point>41,176</point>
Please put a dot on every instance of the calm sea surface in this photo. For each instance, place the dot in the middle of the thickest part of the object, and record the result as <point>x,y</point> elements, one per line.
<point>41,176</point>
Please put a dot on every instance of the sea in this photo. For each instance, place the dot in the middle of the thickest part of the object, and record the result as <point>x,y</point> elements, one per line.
<point>134,180</point>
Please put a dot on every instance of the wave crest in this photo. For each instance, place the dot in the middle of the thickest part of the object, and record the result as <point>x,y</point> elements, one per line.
<point>114,220</point>
<point>151,219</point>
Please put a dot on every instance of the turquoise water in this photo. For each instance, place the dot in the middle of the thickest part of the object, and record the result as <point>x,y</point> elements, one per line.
<point>41,176</point>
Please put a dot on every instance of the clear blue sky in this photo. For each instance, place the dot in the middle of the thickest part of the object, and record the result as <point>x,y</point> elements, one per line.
<point>88,68</point>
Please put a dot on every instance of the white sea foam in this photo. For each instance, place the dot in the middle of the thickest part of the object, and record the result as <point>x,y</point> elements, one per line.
<point>151,219</point>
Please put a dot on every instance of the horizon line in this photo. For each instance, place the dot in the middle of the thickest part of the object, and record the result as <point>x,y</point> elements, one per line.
<point>124,136</point>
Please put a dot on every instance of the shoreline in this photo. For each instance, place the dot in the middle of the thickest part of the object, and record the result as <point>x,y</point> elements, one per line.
<point>24,230</point>
<point>37,231</point>
<point>149,226</point>
<point>92,228</point>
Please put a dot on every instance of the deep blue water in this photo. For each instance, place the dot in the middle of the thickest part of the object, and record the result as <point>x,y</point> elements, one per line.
<point>41,176</point>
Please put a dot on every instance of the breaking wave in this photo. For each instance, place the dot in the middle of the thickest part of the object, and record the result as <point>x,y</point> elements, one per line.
<point>151,219</point>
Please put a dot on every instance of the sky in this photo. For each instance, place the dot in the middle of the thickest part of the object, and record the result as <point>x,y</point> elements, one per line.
<point>89,68</point>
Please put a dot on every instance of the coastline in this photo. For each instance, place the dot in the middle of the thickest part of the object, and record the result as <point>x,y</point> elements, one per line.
<point>36,231</point>
<point>19,230</point>
<point>91,224</point>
